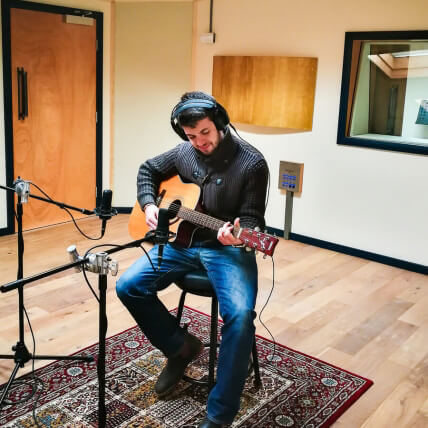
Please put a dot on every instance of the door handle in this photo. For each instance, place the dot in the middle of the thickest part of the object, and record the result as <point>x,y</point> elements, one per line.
<point>22,94</point>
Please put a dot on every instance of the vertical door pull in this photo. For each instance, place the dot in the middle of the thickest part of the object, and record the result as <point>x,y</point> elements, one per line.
<point>22,94</point>
<point>20,113</point>
<point>25,98</point>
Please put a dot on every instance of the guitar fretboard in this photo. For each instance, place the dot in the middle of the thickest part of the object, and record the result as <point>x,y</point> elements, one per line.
<point>202,219</point>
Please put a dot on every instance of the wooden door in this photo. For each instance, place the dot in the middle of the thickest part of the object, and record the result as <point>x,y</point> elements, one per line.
<point>54,146</point>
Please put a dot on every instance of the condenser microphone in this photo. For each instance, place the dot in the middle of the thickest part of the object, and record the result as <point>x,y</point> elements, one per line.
<point>162,232</point>
<point>22,189</point>
<point>105,211</point>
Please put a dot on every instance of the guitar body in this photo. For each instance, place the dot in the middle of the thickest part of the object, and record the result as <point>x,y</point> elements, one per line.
<point>171,191</point>
<point>176,197</point>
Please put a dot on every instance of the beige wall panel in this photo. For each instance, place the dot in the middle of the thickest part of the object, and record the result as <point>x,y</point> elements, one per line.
<point>153,45</point>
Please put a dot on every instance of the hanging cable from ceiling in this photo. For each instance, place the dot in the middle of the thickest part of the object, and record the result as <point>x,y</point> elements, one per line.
<point>210,36</point>
<point>211,15</point>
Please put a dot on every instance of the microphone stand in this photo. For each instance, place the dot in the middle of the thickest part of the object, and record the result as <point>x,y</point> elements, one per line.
<point>21,354</point>
<point>98,263</point>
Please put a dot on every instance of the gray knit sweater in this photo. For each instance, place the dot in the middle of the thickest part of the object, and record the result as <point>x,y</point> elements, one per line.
<point>233,179</point>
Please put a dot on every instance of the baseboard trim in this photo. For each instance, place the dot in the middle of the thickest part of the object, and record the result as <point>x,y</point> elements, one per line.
<point>402,264</point>
<point>5,231</point>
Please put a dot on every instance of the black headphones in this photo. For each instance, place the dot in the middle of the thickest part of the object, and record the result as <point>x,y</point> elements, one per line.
<point>220,116</point>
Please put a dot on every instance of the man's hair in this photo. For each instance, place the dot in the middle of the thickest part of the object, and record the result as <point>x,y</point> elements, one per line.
<point>191,116</point>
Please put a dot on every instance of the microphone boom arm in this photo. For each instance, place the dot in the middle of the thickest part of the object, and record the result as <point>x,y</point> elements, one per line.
<point>51,201</point>
<point>84,260</point>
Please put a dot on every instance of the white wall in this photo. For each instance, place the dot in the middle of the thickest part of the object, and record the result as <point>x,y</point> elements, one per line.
<point>153,46</point>
<point>367,199</point>
<point>99,6</point>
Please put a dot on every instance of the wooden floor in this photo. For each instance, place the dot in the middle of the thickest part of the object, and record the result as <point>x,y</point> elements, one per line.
<point>368,318</point>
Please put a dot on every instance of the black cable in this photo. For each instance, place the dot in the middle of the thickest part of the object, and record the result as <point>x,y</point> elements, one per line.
<point>36,400</point>
<point>109,245</point>
<point>147,255</point>
<point>35,378</point>
<point>273,263</point>
<point>268,187</point>
<point>123,247</point>
<point>263,308</point>
<point>89,284</point>
<point>69,213</point>
<point>84,269</point>
<point>211,15</point>
<point>20,381</point>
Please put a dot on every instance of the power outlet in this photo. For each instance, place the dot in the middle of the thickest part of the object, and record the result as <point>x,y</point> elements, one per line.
<point>290,176</point>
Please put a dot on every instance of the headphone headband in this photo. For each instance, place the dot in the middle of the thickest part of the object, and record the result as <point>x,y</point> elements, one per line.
<point>221,118</point>
<point>193,103</point>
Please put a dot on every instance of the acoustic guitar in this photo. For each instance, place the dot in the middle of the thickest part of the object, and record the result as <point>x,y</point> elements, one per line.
<point>176,196</point>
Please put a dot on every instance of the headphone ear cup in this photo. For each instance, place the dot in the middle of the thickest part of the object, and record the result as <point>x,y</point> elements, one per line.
<point>178,129</point>
<point>221,117</point>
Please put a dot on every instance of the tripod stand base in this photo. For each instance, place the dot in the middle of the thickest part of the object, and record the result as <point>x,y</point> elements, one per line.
<point>22,356</point>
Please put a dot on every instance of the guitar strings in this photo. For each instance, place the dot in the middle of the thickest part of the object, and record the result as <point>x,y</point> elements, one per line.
<point>204,219</point>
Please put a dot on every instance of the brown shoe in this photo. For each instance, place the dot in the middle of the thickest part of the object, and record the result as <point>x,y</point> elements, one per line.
<point>176,365</point>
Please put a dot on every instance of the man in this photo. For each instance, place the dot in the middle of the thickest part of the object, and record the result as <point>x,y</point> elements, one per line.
<point>233,178</point>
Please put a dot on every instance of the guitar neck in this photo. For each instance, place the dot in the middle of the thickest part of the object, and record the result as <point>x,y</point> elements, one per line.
<point>202,219</point>
<point>250,238</point>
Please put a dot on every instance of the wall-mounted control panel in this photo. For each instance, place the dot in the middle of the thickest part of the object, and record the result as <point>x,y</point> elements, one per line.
<point>290,176</point>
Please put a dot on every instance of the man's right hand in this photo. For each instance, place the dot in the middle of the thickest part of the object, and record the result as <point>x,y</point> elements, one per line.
<point>151,212</point>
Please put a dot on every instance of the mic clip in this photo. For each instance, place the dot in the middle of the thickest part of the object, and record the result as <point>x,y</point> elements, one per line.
<point>100,263</point>
<point>151,236</point>
<point>22,189</point>
<point>105,215</point>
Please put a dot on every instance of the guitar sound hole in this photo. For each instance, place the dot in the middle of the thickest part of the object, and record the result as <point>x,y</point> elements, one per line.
<point>174,208</point>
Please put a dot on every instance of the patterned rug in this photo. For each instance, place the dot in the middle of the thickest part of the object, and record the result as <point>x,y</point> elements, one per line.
<point>297,391</point>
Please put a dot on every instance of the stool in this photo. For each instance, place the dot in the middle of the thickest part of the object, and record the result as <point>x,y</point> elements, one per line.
<point>197,282</point>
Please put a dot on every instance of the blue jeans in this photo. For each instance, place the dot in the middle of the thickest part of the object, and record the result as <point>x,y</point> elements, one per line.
<point>233,274</point>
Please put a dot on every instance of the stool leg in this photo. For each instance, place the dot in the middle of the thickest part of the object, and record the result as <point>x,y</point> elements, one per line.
<point>213,342</point>
<point>257,379</point>
<point>181,306</point>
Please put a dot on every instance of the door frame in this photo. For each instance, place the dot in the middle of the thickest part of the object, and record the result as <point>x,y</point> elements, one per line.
<point>7,89</point>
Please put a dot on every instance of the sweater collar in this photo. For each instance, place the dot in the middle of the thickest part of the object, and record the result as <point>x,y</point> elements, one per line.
<point>222,155</point>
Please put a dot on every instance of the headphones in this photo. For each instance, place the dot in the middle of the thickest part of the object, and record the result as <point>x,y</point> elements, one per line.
<point>220,116</point>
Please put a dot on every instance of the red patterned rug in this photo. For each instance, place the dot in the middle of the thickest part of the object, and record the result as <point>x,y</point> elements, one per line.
<point>297,391</point>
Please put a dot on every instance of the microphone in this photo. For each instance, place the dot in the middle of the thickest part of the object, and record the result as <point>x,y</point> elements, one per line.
<point>105,211</point>
<point>162,232</point>
<point>22,189</point>
<point>74,257</point>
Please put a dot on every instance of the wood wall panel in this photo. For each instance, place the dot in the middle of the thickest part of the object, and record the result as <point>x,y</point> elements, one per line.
<point>265,90</point>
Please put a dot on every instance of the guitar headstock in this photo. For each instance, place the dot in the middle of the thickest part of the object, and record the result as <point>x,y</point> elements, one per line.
<point>259,241</point>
